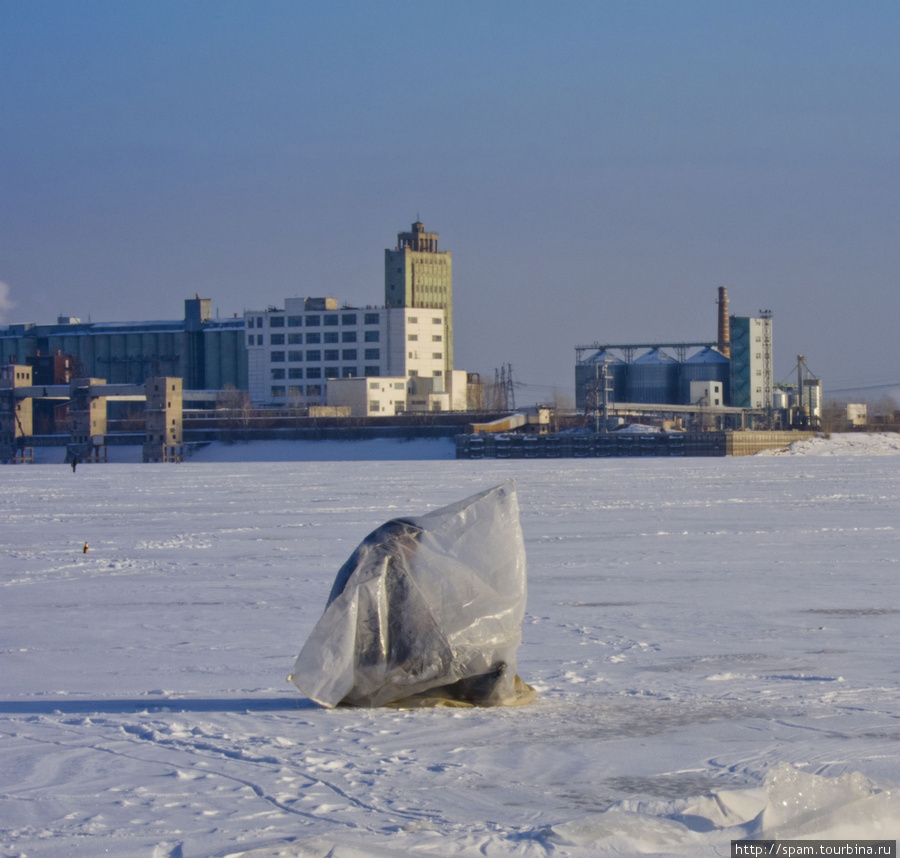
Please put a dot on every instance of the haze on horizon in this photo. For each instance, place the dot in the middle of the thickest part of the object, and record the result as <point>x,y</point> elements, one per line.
<point>597,169</point>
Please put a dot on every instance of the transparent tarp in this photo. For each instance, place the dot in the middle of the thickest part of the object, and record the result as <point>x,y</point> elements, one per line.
<point>427,610</point>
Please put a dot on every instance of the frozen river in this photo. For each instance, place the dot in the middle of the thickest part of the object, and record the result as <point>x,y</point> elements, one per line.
<point>695,628</point>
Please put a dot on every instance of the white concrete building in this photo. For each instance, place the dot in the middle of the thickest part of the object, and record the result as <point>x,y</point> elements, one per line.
<point>369,397</point>
<point>293,352</point>
<point>707,394</point>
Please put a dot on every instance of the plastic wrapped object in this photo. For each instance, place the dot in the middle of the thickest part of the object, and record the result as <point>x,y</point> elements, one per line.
<point>427,610</point>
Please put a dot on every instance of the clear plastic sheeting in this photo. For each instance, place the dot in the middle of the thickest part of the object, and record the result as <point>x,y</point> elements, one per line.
<point>427,611</point>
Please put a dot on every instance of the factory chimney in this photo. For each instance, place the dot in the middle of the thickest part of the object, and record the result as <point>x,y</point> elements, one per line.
<point>724,328</point>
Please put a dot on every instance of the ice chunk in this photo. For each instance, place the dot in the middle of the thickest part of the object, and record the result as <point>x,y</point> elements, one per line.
<point>808,805</point>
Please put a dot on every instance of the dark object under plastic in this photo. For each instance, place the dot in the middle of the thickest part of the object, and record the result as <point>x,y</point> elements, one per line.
<point>427,611</point>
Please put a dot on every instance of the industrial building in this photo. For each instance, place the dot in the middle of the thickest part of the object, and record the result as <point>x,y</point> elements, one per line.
<point>86,402</point>
<point>419,275</point>
<point>727,377</point>
<point>207,353</point>
<point>295,352</point>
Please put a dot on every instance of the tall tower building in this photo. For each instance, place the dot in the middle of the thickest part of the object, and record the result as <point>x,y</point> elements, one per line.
<point>751,361</point>
<point>417,274</point>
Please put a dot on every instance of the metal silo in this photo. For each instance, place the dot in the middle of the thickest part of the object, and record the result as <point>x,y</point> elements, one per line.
<point>706,365</point>
<point>588,371</point>
<point>653,378</point>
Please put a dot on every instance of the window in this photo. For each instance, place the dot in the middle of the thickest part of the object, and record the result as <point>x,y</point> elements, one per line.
<point>373,336</point>
<point>295,372</point>
<point>436,321</point>
<point>349,372</point>
<point>276,321</point>
<point>348,319</point>
<point>313,372</point>
<point>277,390</point>
<point>332,372</point>
<point>331,337</point>
<point>313,339</point>
<point>276,339</point>
<point>412,337</point>
<point>374,385</point>
<point>348,354</point>
<point>371,318</point>
<point>373,354</point>
<point>295,390</point>
<point>437,338</point>
<point>251,340</point>
<point>295,321</point>
<point>276,357</point>
<point>332,354</point>
<point>413,320</point>
<point>331,319</point>
<point>313,389</point>
<point>371,371</point>
<point>413,373</point>
<point>348,336</point>
<point>437,373</point>
<point>295,339</point>
<point>373,405</point>
<point>437,355</point>
<point>399,385</point>
<point>295,356</point>
<point>313,321</point>
<point>313,354</point>
<point>277,374</point>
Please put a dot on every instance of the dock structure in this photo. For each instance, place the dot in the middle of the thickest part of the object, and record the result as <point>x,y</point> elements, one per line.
<point>583,445</point>
<point>86,400</point>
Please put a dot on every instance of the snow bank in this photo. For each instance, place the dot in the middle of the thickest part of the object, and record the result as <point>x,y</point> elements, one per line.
<point>790,805</point>
<point>842,444</point>
<point>383,449</point>
<point>368,449</point>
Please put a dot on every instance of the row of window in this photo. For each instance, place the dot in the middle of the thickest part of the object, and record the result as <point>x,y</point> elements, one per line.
<point>296,373</point>
<point>435,338</point>
<point>314,321</point>
<point>314,339</point>
<point>315,355</point>
<point>280,391</point>
<point>328,320</point>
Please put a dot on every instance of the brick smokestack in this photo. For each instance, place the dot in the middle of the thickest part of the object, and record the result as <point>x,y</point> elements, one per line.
<point>724,326</point>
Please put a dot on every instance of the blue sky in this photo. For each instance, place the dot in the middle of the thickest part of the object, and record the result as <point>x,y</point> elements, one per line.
<point>597,169</point>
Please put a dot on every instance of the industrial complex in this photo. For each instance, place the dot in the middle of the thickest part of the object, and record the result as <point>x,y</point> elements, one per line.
<point>726,383</point>
<point>315,358</point>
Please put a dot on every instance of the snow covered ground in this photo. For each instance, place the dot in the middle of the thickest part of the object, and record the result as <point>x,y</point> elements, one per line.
<point>714,643</point>
<point>844,444</point>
